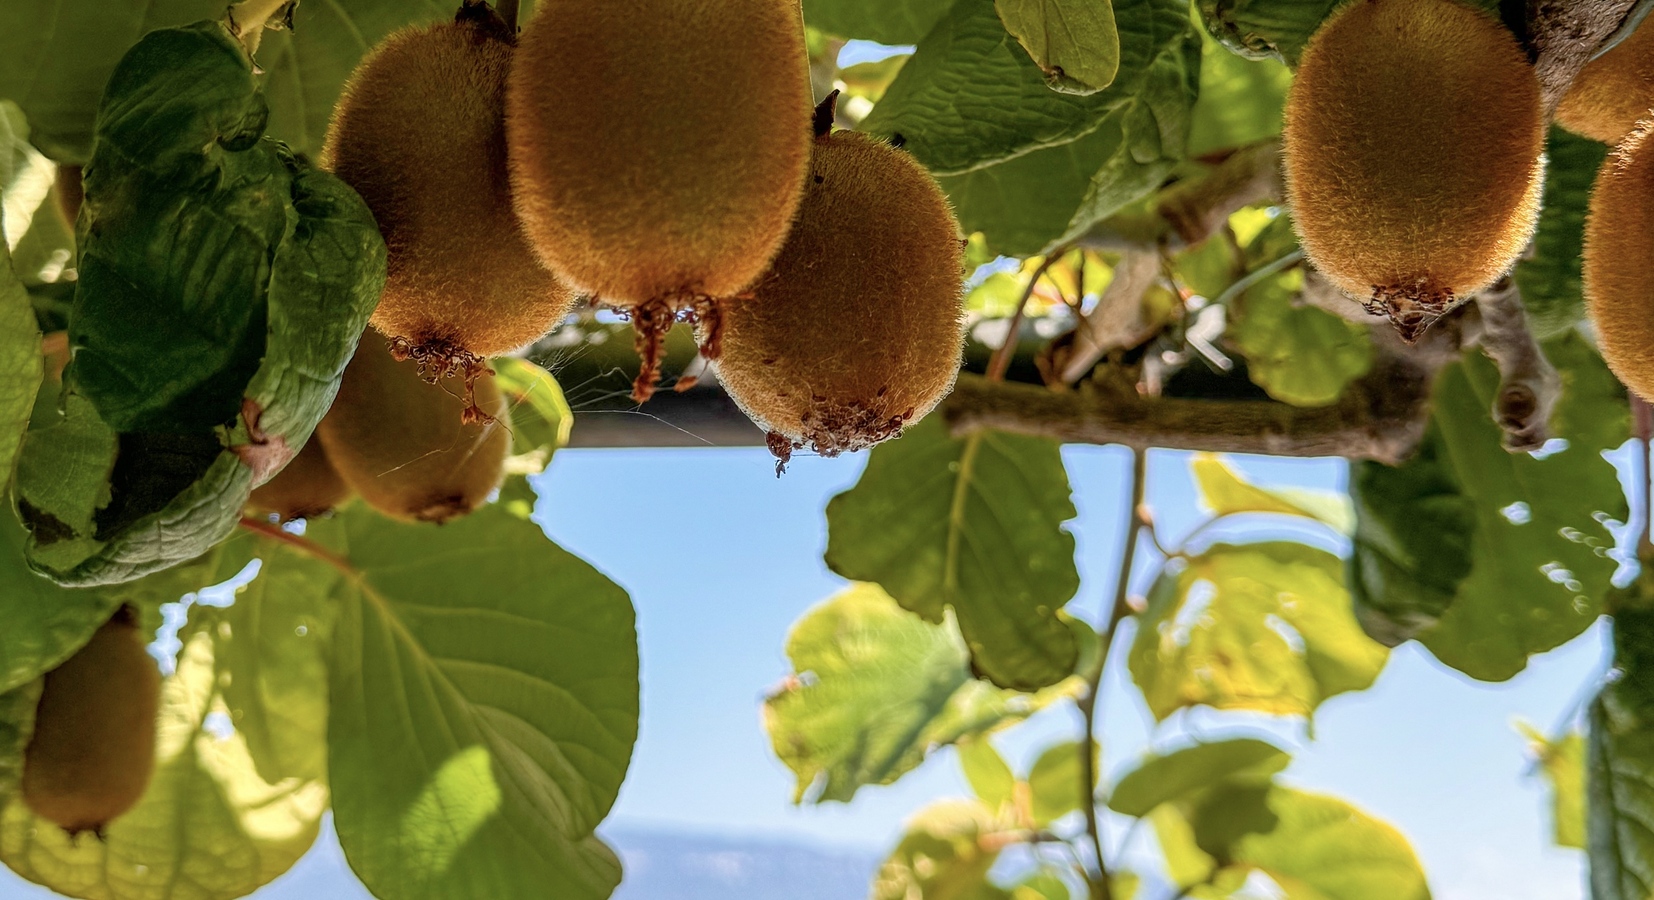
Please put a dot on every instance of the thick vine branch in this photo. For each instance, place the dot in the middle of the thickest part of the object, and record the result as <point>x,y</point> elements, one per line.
<point>1194,209</point>
<point>1564,35</point>
<point>1529,386</point>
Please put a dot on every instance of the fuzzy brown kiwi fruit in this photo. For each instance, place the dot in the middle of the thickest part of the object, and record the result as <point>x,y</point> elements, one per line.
<point>420,134</point>
<point>309,486</point>
<point>1613,92</point>
<point>93,748</point>
<point>658,151</point>
<point>399,442</point>
<point>1619,242</point>
<point>1413,154</point>
<point>858,327</point>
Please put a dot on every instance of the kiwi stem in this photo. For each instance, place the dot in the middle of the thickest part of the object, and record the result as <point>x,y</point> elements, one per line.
<point>825,112</point>
<point>248,17</point>
<point>310,548</point>
<point>1002,356</point>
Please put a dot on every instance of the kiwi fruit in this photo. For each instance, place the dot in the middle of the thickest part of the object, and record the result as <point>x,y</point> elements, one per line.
<point>399,443</point>
<point>93,748</point>
<point>1413,154</point>
<point>1619,241</point>
<point>1613,92</point>
<point>308,487</point>
<point>858,328</point>
<point>420,133</point>
<point>656,159</point>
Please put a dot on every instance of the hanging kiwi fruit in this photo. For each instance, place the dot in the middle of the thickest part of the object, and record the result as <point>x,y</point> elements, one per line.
<point>1613,92</point>
<point>1413,154</point>
<point>1619,241</point>
<point>858,327</point>
<point>93,748</point>
<point>309,486</point>
<point>400,444</point>
<point>656,162</point>
<point>419,132</point>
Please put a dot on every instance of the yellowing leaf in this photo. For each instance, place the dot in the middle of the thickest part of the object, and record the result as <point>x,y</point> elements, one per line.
<point>1074,42</point>
<point>1225,492</point>
<point>1562,761</point>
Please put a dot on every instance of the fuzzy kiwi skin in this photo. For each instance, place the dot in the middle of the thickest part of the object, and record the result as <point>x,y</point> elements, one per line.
<point>307,487</point>
<point>1619,242</point>
<point>655,156</point>
<point>1413,154</point>
<point>93,748</point>
<point>1613,92</point>
<point>858,328</point>
<point>420,134</point>
<point>399,443</point>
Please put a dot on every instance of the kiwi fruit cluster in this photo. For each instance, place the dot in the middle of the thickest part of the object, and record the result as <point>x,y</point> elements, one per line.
<point>1413,154</point>
<point>401,445</point>
<point>1613,92</point>
<point>857,328</point>
<point>93,748</point>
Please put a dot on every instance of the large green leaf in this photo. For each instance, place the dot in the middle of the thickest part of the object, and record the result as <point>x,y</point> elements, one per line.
<point>901,22</point>
<point>21,365</point>
<point>1045,197</point>
<point>1212,633</point>
<point>1541,565</point>
<point>1074,42</point>
<point>209,827</point>
<point>1184,774</point>
<point>1299,354</point>
<point>943,856</point>
<point>1412,545</point>
<point>1326,849</point>
<point>1549,277</point>
<point>975,524</point>
<point>875,690</point>
<point>483,707</point>
<point>1619,786</point>
<point>56,55</point>
<point>1562,761</point>
<point>1241,101</point>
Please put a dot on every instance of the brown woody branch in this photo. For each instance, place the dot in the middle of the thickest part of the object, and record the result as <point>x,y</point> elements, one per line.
<point>1194,209</point>
<point>1117,321</point>
<point>1564,35</point>
<point>1529,386</point>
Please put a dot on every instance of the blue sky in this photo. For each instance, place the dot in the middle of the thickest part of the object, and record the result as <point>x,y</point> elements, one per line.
<point>721,557</point>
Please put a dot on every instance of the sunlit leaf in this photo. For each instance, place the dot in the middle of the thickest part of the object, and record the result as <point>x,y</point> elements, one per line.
<point>483,707</point>
<point>875,690</point>
<point>1057,783</point>
<point>1562,761</point>
<point>209,827</point>
<point>974,524</point>
<point>1074,42</point>
<point>1323,847</point>
<point>1186,772</point>
<point>990,777</point>
<point>1047,885</point>
<point>1225,493</point>
<point>1541,565</point>
<point>1298,353</point>
<point>1265,626</point>
<point>21,365</point>
<point>943,856</point>
<point>1241,101</point>
<point>540,416</point>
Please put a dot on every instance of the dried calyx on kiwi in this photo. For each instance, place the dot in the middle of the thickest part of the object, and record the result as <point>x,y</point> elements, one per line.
<point>399,442</point>
<point>93,748</point>
<point>420,133</point>
<point>657,163</point>
<point>857,329</point>
<point>1413,154</point>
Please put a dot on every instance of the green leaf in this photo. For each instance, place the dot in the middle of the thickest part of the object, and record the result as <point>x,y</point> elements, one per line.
<point>1048,885</point>
<point>1549,277</point>
<point>248,275</point>
<point>483,708</point>
<point>1186,863</point>
<point>1241,101</point>
<point>56,55</point>
<point>1260,29</point>
<point>1226,493</point>
<point>1562,761</point>
<point>1043,198</point>
<point>874,691</point>
<point>207,827</point>
<point>1074,42</point>
<point>1619,775</point>
<point>943,856</point>
<point>540,415</point>
<point>25,176</point>
<point>1323,847</point>
<point>1213,632</point>
<point>906,22</point>
<point>1299,354</point>
<point>1541,566</point>
<point>1412,547</point>
<point>21,364</point>
<point>1185,773</point>
<point>1057,782</point>
<point>974,524</point>
<point>989,775</point>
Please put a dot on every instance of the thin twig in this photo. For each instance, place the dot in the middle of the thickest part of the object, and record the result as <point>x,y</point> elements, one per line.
<point>1252,278</point>
<point>1101,889</point>
<point>1117,320</point>
<point>1002,357</point>
<point>1642,426</point>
